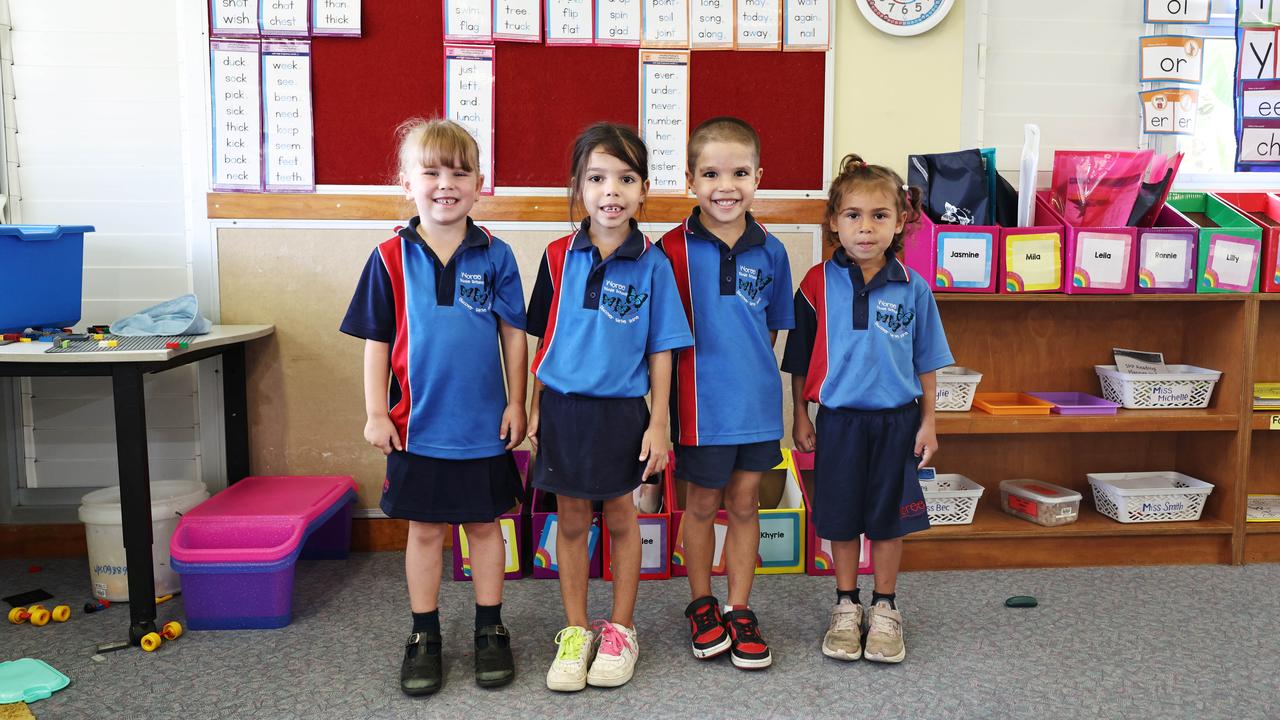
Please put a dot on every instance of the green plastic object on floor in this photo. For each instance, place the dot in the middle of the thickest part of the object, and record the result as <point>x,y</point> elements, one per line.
<point>1021,601</point>
<point>29,680</point>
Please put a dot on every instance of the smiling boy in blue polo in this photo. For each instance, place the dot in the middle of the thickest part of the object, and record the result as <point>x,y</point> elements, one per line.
<point>735,284</point>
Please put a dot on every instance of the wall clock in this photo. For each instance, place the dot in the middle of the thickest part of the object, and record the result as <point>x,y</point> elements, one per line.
<point>904,17</point>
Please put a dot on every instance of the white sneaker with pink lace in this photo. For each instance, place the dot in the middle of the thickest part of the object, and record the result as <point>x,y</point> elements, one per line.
<point>616,657</point>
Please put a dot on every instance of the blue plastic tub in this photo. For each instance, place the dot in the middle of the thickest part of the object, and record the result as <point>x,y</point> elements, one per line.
<point>43,268</point>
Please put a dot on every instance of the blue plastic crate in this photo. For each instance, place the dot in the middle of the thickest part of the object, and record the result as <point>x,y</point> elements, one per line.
<point>43,269</point>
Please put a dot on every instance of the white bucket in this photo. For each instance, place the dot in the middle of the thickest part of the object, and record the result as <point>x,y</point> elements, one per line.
<point>100,513</point>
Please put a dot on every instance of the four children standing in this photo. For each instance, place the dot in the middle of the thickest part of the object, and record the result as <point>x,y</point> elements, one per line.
<point>440,307</point>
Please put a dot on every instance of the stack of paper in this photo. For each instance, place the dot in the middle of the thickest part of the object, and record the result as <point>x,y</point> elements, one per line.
<point>1266,396</point>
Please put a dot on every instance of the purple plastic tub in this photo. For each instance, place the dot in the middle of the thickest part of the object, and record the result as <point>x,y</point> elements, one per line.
<point>233,595</point>
<point>1076,403</point>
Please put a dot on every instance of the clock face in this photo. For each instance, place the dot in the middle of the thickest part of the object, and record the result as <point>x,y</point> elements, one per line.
<point>904,17</point>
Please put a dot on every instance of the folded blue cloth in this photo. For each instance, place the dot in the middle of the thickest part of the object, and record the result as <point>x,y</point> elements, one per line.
<point>179,316</point>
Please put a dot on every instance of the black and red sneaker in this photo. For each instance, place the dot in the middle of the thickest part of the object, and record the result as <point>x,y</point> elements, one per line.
<point>710,636</point>
<point>750,651</point>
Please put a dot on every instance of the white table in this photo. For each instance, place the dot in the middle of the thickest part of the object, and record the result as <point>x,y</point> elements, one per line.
<point>126,368</point>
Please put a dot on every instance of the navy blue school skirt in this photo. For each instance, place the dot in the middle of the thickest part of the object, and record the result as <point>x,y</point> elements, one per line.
<point>428,489</point>
<point>589,447</point>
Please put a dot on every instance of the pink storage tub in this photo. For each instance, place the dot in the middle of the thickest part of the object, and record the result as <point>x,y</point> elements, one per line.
<point>236,552</point>
<point>1082,243</point>
<point>929,248</point>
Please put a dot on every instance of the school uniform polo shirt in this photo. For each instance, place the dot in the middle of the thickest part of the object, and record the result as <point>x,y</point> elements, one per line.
<point>447,392</point>
<point>727,390</point>
<point>863,346</point>
<point>599,318</point>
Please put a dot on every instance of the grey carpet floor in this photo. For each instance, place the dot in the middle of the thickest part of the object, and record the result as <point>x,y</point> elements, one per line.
<point>1165,642</point>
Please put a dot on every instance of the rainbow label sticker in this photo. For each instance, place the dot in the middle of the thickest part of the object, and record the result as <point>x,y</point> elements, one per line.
<point>1231,263</point>
<point>1033,262</point>
<point>545,555</point>
<point>1165,260</point>
<point>964,260</point>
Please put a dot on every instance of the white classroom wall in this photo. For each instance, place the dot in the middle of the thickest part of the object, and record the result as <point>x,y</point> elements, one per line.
<point>98,113</point>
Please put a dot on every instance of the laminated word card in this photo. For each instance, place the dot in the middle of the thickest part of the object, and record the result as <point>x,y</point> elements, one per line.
<point>666,24</point>
<point>468,96</point>
<point>233,17</point>
<point>287,137</point>
<point>1177,11</point>
<point>570,22</point>
<point>1169,111</point>
<point>618,22</point>
<point>335,17</point>
<point>807,25</point>
<point>284,18</point>
<point>664,117</point>
<point>759,24</point>
<point>518,20</point>
<point>236,130</point>
<point>711,24</point>
<point>1172,58</point>
<point>468,21</point>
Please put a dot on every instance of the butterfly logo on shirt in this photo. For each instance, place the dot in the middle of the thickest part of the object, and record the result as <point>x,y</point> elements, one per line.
<point>752,283</point>
<point>622,303</point>
<point>475,290</point>
<point>895,319</point>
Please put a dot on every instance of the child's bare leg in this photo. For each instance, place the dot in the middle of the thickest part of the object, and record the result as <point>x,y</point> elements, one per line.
<point>846,554</point>
<point>742,542</point>
<point>698,529</point>
<point>887,557</point>
<point>488,561</point>
<point>624,551</point>
<point>573,523</point>
<point>423,563</point>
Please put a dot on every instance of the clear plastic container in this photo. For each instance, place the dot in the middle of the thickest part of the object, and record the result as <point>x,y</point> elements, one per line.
<point>1040,502</point>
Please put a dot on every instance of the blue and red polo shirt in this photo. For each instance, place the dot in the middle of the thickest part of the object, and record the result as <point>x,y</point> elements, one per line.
<point>726,388</point>
<point>863,346</point>
<point>599,318</point>
<point>447,393</point>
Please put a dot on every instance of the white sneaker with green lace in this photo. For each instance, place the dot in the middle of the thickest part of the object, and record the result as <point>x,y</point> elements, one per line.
<point>568,671</point>
<point>615,661</point>
<point>884,635</point>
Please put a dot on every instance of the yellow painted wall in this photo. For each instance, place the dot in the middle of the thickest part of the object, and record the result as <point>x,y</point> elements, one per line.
<point>895,96</point>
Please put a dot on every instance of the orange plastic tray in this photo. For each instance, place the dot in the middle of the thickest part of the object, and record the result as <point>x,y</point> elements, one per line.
<point>1010,403</point>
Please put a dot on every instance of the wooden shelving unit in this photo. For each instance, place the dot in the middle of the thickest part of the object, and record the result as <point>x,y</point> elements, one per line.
<point>1051,343</point>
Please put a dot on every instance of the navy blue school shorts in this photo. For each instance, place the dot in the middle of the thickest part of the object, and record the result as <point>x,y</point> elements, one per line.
<point>428,489</point>
<point>865,474</point>
<point>589,447</point>
<point>711,466</point>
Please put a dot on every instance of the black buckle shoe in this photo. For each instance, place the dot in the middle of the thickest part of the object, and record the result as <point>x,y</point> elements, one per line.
<point>495,666</point>
<point>422,672</point>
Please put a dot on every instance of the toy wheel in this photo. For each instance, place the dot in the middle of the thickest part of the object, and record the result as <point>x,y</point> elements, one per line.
<point>150,642</point>
<point>18,615</point>
<point>172,630</point>
<point>39,616</point>
<point>61,613</point>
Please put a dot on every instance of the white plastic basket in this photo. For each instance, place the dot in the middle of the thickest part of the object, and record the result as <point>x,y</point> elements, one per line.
<point>951,499</point>
<point>955,388</point>
<point>1149,496</point>
<point>1184,386</point>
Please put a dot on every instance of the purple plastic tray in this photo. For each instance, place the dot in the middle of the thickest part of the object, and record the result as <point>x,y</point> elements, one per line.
<point>1076,403</point>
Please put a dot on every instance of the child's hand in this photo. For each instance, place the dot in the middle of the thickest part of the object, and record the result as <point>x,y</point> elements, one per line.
<point>654,448</point>
<point>513,425</point>
<point>532,431</point>
<point>802,432</point>
<point>926,442</point>
<point>381,433</point>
